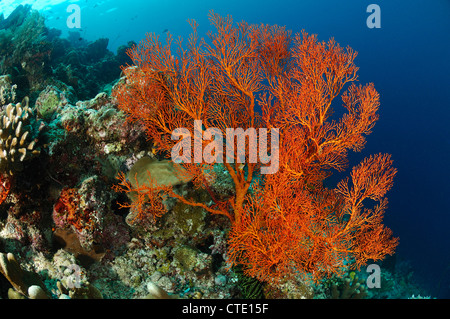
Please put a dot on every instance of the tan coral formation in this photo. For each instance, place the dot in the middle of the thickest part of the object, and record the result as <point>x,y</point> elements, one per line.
<point>16,145</point>
<point>26,284</point>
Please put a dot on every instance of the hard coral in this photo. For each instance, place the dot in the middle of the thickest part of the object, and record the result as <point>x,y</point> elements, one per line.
<point>16,142</point>
<point>25,283</point>
<point>7,88</point>
<point>52,98</point>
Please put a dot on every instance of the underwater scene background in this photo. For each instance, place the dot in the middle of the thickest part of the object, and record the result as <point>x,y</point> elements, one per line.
<point>61,219</point>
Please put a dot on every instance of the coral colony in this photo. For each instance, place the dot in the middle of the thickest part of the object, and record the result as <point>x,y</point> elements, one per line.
<point>197,171</point>
<point>220,82</point>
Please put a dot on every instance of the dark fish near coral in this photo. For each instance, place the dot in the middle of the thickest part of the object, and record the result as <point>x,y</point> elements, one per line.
<point>165,31</point>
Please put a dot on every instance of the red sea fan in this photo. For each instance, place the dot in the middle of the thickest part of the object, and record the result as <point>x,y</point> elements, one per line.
<point>260,77</point>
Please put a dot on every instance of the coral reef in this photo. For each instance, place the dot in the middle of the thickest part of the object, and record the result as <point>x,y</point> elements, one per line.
<point>65,230</point>
<point>36,56</point>
<point>88,68</point>
<point>7,90</point>
<point>26,50</point>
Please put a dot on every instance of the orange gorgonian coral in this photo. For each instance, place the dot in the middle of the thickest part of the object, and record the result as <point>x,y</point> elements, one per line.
<point>248,76</point>
<point>147,201</point>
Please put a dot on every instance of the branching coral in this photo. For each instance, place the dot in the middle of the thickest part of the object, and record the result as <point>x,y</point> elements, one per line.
<point>289,225</point>
<point>16,142</point>
<point>146,199</point>
<point>260,77</point>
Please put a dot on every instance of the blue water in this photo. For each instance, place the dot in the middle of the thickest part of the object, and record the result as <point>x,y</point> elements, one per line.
<point>407,59</point>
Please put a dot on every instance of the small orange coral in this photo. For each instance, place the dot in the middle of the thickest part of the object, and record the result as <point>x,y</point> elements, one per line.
<point>145,199</point>
<point>67,211</point>
<point>4,188</point>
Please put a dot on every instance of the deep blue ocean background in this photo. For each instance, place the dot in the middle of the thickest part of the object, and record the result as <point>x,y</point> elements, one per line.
<point>408,60</point>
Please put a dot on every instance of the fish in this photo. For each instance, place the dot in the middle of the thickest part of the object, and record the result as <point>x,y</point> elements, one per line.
<point>111,10</point>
